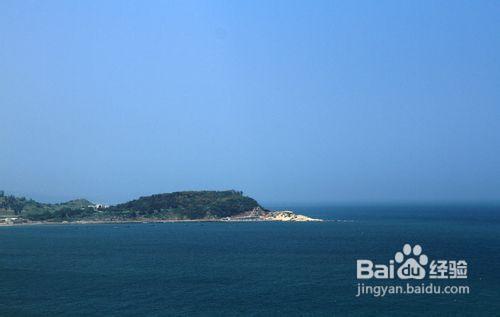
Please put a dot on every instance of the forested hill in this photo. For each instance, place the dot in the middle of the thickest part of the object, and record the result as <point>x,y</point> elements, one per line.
<point>24,207</point>
<point>177,205</point>
<point>189,205</point>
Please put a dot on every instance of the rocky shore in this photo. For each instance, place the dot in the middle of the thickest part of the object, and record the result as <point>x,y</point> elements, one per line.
<point>256,215</point>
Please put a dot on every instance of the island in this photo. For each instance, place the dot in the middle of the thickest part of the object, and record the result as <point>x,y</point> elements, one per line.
<point>227,205</point>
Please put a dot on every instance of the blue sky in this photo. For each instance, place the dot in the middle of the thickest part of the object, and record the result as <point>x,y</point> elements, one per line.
<point>289,101</point>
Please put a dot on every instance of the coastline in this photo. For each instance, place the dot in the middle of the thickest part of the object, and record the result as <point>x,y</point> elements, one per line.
<point>184,206</point>
<point>119,222</point>
<point>255,215</point>
<point>275,216</point>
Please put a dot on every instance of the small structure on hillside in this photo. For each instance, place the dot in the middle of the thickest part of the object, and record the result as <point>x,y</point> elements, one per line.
<point>98,207</point>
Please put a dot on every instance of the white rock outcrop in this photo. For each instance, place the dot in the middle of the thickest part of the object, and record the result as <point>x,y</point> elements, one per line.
<point>287,215</point>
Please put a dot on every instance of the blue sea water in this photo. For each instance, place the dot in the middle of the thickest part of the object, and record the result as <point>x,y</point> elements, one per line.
<point>246,269</point>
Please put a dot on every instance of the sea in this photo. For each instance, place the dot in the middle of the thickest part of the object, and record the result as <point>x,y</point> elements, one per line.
<point>250,268</point>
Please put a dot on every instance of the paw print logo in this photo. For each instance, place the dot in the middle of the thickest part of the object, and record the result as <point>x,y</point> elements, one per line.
<point>413,266</point>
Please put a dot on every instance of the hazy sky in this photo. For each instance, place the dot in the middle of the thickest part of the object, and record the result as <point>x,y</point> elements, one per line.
<point>289,101</point>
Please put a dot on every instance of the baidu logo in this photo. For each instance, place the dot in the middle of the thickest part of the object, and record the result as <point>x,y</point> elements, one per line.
<point>411,263</point>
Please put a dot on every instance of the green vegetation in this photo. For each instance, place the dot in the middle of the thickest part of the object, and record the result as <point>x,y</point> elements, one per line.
<point>177,205</point>
<point>11,206</point>
<point>188,205</point>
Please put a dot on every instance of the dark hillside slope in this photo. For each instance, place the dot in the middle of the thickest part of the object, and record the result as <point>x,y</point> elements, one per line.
<point>190,204</point>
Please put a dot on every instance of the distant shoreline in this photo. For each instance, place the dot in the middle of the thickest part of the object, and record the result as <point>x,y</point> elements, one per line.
<point>186,206</point>
<point>96,222</point>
